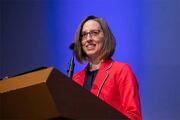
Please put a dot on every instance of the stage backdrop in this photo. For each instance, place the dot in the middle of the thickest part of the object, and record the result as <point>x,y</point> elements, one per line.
<point>36,33</point>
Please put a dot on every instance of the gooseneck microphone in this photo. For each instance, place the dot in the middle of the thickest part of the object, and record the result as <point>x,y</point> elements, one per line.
<point>71,64</point>
<point>72,46</point>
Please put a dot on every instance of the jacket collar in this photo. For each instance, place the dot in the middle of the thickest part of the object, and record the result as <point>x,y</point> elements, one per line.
<point>106,65</point>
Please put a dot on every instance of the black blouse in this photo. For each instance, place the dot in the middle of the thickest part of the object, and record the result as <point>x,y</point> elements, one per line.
<point>89,78</point>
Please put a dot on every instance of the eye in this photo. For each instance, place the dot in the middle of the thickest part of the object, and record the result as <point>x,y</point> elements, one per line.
<point>96,32</point>
<point>84,34</point>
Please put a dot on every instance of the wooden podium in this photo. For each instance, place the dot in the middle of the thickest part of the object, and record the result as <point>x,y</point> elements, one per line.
<point>48,94</point>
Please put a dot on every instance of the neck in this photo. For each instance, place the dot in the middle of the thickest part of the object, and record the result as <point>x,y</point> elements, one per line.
<point>94,64</point>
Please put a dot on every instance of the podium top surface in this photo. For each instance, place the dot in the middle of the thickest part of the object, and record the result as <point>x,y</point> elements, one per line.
<point>30,79</point>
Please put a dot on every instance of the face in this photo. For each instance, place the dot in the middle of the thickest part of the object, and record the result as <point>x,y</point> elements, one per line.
<point>92,39</point>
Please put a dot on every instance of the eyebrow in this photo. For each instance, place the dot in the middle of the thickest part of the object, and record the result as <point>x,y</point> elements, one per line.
<point>91,30</point>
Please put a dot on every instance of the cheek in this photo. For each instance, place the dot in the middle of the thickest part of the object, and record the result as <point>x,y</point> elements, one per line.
<point>84,48</point>
<point>100,44</point>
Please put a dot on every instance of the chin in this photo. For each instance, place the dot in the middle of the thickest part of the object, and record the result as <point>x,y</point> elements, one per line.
<point>90,52</point>
<point>90,55</point>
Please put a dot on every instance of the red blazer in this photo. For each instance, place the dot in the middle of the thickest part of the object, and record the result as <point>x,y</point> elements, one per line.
<point>115,84</point>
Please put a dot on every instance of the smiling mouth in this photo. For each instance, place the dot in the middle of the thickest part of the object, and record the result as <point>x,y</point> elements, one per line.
<point>90,46</point>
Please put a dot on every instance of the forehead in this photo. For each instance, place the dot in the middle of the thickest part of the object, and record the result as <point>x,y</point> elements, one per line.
<point>91,25</point>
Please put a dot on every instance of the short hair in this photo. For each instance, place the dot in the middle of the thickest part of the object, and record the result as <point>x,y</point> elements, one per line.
<point>109,43</point>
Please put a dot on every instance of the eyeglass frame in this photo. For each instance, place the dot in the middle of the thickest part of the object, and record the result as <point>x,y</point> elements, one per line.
<point>92,33</point>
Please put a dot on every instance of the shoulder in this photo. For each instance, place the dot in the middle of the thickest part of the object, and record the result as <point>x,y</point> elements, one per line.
<point>78,73</point>
<point>121,69</point>
<point>115,65</point>
<point>121,66</point>
<point>125,73</point>
<point>79,77</point>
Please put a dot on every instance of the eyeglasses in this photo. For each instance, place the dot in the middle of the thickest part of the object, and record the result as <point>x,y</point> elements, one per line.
<point>93,34</point>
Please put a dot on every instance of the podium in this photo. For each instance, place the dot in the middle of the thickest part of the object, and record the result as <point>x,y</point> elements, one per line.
<point>48,94</point>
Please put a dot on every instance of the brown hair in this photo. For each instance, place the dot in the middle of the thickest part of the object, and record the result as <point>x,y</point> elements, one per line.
<point>109,41</point>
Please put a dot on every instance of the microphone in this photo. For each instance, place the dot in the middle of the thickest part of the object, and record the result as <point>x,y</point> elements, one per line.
<point>72,45</point>
<point>71,64</point>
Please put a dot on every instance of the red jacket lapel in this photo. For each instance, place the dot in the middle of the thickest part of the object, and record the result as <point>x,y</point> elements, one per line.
<point>101,77</point>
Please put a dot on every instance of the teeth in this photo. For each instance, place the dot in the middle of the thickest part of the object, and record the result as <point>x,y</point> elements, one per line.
<point>90,46</point>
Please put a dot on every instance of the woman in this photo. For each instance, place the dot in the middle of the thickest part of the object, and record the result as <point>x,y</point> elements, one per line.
<point>111,81</point>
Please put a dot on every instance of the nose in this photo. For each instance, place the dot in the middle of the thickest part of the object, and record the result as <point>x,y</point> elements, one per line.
<point>89,37</point>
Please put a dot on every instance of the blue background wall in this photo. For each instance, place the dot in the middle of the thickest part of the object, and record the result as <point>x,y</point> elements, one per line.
<point>37,33</point>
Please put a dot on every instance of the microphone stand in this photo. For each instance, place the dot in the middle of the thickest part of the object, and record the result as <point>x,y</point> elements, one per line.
<point>71,64</point>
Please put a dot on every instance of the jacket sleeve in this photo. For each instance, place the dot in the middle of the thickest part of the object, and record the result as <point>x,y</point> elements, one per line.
<point>129,93</point>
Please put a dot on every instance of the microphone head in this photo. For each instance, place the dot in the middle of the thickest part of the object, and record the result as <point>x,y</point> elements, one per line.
<point>72,45</point>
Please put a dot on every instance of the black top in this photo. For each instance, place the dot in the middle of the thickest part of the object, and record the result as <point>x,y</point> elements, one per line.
<point>89,78</point>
